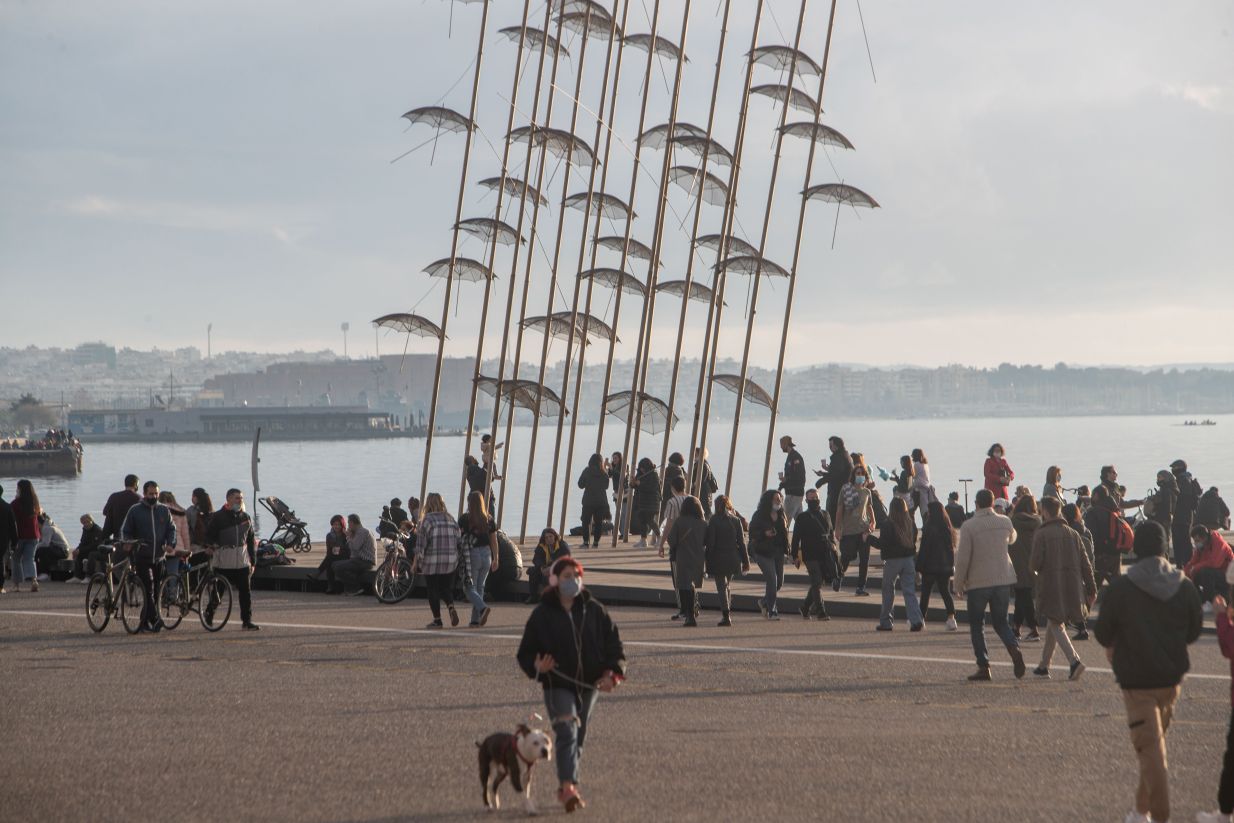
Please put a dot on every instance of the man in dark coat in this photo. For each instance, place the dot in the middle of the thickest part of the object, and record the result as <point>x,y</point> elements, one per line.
<point>477,479</point>
<point>8,533</point>
<point>793,478</point>
<point>1189,492</point>
<point>118,505</point>
<point>835,473</point>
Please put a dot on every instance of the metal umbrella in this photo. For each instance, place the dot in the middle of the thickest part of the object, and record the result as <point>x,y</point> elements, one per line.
<point>465,268</point>
<point>736,246</point>
<point>653,416</point>
<point>657,137</point>
<point>840,194</point>
<point>441,119</point>
<point>752,264</point>
<point>524,394</point>
<point>536,39</point>
<point>409,324</point>
<point>515,188</point>
<point>635,249</point>
<point>782,57</point>
<point>558,326</point>
<point>797,99</point>
<point>698,291</point>
<point>606,205</point>
<point>753,392</point>
<point>823,135</point>
<point>615,279</point>
<point>489,228</point>
<point>714,191</point>
<point>661,46</point>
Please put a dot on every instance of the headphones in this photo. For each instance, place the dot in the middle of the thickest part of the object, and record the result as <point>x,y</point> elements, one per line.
<point>558,566</point>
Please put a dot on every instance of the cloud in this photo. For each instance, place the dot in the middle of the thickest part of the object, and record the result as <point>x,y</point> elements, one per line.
<point>1207,97</point>
<point>201,217</point>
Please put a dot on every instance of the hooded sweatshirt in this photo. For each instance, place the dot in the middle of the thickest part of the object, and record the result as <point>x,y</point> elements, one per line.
<point>1149,617</point>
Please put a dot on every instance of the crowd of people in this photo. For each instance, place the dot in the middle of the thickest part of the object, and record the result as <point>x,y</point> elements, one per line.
<point>50,440</point>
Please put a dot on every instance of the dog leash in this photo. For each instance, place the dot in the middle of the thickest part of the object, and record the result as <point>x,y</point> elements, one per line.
<point>559,673</point>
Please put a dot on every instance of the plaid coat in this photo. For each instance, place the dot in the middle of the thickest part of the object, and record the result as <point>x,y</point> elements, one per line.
<point>437,544</point>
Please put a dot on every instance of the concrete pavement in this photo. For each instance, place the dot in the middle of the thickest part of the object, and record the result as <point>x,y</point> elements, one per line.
<point>343,709</point>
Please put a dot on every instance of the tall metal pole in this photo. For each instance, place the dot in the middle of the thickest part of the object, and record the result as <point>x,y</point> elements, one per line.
<point>762,248</point>
<point>582,253</point>
<point>492,260</point>
<point>643,351</point>
<point>450,276</point>
<point>715,312</point>
<point>531,242</point>
<point>522,213</point>
<point>698,214</point>
<point>792,272</point>
<point>552,288</point>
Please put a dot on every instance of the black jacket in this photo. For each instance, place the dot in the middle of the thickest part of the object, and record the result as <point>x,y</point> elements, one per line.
<point>890,547</point>
<point>760,543</point>
<point>550,630</point>
<point>1212,510</point>
<point>937,553</point>
<point>91,538</point>
<point>839,470</point>
<point>594,483</point>
<point>813,538</point>
<point>477,478</point>
<point>956,513</point>
<point>708,485</point>
<point>725,546</point>
<point>647,490</point>
<point>1150,616</point>
<point>115,510</point>
<point>8,527</point>
<point>1189,491</point>
<point>794,481</point>
<point>685,542</point>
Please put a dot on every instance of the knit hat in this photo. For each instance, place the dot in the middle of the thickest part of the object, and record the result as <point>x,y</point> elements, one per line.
<point>1149,540</point>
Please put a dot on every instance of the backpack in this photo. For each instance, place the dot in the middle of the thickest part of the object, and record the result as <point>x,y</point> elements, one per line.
<point>1121,534</point>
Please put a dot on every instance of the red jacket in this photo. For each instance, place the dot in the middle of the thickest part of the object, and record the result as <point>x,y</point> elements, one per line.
<point>27,522</point>
<point>994,469</point>
<point>1216,555</point>
<point>1225,639</point>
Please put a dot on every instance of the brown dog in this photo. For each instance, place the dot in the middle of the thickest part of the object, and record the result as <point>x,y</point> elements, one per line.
<point>505,755</point>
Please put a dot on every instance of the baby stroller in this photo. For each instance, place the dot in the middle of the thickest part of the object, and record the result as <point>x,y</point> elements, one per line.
<point>290,532</point>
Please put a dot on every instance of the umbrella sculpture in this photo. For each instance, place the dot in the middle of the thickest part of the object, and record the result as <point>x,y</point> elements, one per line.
<point>715,192</point>
<point>662,47</point>
<point>715,152</point>
<point>615,279</point>
<point>823,135</point>
<point>754,393</point>
<point>736,245</point>
<point>635,249</point>
<point>752,264</point>
<point>781,58</point>
<point>558,325</point>
<point>488,229</point>
<point>592,22</point>
<point>441,119</point>
<point>515,188</point>
<point>557,142</point>
<point>409,324</point>
<point>606,205</point>
<point>536,39</point>
<point>797,99</point>
<point>698,291</point>
<point>465,268</point>
<point>653,413</point>
<point>657,137</point>
<point>839,193</point>
<point>524,394</point>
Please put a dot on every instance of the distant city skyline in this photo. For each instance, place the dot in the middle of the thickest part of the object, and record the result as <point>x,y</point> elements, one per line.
<point>1054,177</point>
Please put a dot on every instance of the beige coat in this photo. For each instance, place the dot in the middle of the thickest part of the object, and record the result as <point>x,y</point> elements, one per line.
<point>982,560</point>
<point>1064,575</point>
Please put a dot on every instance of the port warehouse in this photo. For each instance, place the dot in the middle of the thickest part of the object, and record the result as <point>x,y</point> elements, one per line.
<point>229,423</point>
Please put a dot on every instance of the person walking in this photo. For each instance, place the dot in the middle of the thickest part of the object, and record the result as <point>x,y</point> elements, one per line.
<point>1026,521</point>
<point>1073,516</point>
<point>984,575</point>
<point>337,551</point>
<point>897,544</point>
<point>814,544</point>
<point>26,514</point>
<point>1148,618</point>
<point>725,554</point>
<point>8,535</point>
<point>1105,522</point>
<point>620,478</point>
<point>1210,559</point>
<point>686,552</point>
<point>707,485</point>
<point>854,523</point>
<point>118,505</point>
<point>149,523</point>
<point>1065,587</point>
<point>768,546</point>
<point>436,557</point>
<point>594,483</point>
<point>572,646</point>
<point>1189,493</point>
<point>936,561</point>
<point>231,531</point>
<point>792,479</point>
<point>647,501</point>
<point>674,468</point>
<point>1225,787</point>
<point>997,472</point>
<point>835,473</point>
<point>479,541</point>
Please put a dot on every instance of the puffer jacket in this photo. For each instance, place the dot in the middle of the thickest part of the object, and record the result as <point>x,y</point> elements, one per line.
<point>232,532</point>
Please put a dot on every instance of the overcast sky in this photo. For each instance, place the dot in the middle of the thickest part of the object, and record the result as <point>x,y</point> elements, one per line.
<point>1055,177</point>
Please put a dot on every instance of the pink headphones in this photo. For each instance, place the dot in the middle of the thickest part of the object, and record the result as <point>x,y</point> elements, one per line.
<point>559,565</point>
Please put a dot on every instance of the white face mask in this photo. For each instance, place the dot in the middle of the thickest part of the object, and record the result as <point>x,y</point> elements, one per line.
<point>860,480</point>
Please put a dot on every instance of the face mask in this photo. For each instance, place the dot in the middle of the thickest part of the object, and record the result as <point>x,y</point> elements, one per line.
<point>1197,546</point>
<point>570,587</point>
<point>860,480</point>
<point>238,507</point>
<point>813,504</point>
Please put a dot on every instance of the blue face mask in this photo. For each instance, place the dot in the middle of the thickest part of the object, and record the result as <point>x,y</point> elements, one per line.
<point>571,587</point>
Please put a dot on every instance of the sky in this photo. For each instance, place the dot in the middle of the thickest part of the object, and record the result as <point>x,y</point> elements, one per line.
<point>1054,177</point>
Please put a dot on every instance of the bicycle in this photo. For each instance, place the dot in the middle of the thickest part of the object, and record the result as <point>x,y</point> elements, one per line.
<point>177,596</point>
<point>106,596</point>
<point>395,576</point>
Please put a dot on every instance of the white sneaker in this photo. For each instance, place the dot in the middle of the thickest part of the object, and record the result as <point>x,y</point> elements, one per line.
<point>1213,817</point>
<point>43,578</point>
<point>1135,817</point>
<point>951,624</point>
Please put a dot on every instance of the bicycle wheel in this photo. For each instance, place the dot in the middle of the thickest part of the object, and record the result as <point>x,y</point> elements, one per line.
<point>394,581</point>
<point>98,604</point>
<point>214,602</point>
<point>173,601</point>
<point>132,604</point>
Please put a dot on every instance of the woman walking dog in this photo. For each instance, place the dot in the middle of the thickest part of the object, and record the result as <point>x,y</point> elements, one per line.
<point>573,648</point>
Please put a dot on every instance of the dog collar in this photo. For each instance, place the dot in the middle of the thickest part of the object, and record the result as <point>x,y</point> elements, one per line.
<point>513,744</point>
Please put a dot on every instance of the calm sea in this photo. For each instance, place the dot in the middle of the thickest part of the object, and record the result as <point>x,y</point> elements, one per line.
<point>319,479</point>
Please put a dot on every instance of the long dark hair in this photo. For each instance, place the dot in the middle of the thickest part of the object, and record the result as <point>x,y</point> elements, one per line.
<point>998,446</point>
<point>764,508</point>
<point>556,541</point>
<point>26,498</point>
<point>596,462</point>
<point>900,522</point>
<point>477,512</point>
<point>645,465</point>
<point>938,521</point>
<point>690,507</point>
<point>202,500</point>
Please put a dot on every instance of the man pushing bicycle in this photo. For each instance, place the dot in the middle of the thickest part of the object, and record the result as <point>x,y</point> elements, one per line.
<point>150,524</point>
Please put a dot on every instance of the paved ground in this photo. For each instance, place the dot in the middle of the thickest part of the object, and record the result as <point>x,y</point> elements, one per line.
<point>342,709</point>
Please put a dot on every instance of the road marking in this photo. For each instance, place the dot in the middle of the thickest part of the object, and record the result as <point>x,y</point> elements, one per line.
<point>647,644</point>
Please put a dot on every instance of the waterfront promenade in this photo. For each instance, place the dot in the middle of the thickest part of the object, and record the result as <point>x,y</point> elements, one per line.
<point>343,709</point>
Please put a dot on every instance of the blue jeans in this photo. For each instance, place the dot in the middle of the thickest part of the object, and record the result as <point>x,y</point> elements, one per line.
<point>568,711</point>
<point>773,573</point>
<point>23,561</point>
<point>481,558</point>
<point>998,599</point>
<point>903,569</point>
